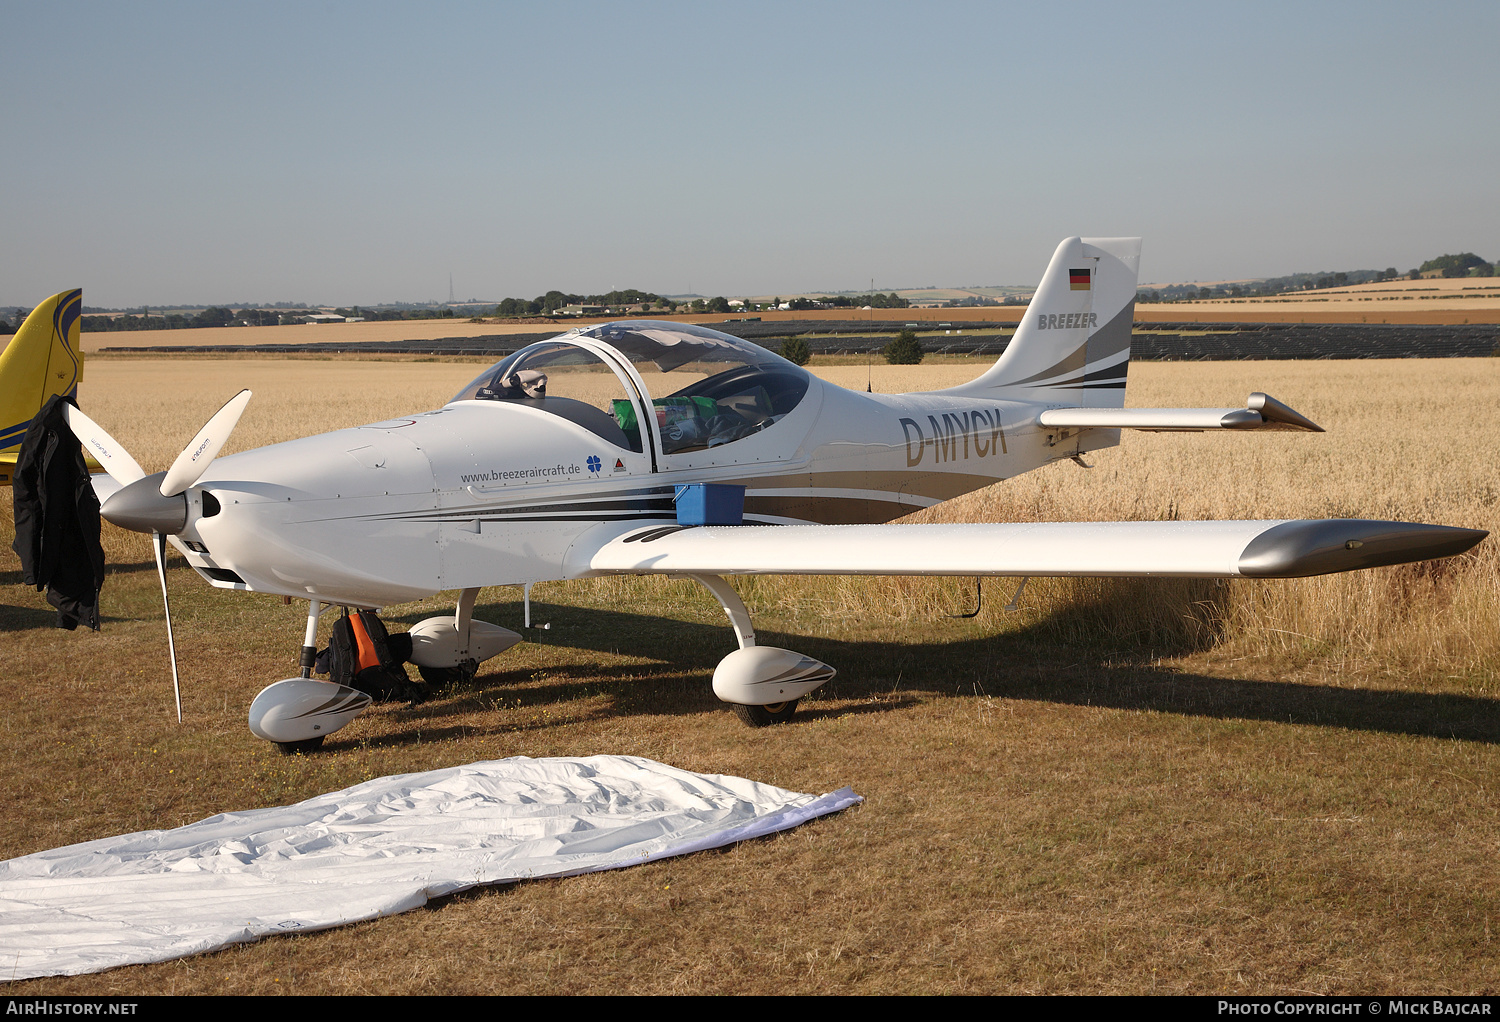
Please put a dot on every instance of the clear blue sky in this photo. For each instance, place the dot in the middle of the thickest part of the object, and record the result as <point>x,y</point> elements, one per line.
<point>360,152</point>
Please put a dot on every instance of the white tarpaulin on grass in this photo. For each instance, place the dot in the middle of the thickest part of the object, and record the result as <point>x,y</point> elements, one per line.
<point>375,849</point>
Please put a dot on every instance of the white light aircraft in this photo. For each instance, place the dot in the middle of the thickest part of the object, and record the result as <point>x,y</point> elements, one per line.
<point>619,449</point>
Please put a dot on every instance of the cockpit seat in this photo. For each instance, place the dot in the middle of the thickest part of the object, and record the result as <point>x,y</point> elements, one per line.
<point>595,420</point>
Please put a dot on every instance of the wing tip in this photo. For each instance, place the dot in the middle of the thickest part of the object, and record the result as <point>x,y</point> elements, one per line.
<point>1300,549</point>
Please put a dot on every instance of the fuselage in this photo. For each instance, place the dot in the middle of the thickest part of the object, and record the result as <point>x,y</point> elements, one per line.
<point>490,490</point>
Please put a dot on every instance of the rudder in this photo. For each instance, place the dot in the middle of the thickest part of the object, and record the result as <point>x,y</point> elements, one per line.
<point>1073,343</point>
<point>42,359</point>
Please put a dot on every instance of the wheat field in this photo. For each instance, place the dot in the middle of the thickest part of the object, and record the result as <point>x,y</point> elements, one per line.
<point>1406,440</point>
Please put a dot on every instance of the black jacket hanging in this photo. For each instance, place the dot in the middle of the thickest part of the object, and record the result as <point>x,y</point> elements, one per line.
<point>57,519</point>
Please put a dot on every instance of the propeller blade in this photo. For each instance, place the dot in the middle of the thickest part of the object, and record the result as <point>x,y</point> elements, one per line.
<point>159,544</point>
<point>203,448</point>
<point>122,468</point>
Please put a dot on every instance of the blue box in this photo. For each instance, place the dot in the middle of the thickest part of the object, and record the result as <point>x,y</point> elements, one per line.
<point>710,504</point>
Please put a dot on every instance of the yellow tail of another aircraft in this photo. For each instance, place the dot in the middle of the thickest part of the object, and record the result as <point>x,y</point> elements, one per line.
<point>42,359</point>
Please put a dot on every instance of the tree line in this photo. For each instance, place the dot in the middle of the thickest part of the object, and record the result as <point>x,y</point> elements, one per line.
<point>874,300</point>
<point>220,315</point>
<point>1466,264</point>
<point>552,301</point>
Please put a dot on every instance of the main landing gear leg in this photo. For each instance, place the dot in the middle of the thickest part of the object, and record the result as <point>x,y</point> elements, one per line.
<point>734,607</point>
<point>449,649</point>
<point>463,615</point>
<point>763,683</point>
<point>462,628</point>
<point>463,671</point>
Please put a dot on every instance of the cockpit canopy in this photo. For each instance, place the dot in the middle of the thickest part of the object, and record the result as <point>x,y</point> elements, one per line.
<point>705,388</point>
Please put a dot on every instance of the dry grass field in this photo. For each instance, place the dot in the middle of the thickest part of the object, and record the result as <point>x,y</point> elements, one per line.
<point>1121,787</point>
<point>347,333</point>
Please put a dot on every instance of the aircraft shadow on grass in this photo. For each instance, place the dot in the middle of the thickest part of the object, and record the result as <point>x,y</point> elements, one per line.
<point>21,619</point>
<point>14,618</point>
<point>16,578</point>
<point>1031,663</point>
<point>676,660</point>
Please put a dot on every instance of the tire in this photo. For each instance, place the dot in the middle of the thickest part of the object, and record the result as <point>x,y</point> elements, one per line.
<point>440,676</point>
<point>306,745</point>
<point>765,716</point>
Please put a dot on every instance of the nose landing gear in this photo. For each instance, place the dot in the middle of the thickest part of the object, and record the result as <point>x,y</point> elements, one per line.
<point>297,714</point>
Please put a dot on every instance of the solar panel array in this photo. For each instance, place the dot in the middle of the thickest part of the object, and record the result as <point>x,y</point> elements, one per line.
<point>1165,342</point>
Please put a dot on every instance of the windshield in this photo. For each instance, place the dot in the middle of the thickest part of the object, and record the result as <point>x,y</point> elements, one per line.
<point>562,379</point>
<point>706,388</point>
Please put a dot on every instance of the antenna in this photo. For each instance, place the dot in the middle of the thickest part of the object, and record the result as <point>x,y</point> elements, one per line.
<point>450,287</point>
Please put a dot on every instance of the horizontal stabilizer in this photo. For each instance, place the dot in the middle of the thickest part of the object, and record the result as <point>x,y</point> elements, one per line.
<point>1261,411</point>
<point>1257,549</point>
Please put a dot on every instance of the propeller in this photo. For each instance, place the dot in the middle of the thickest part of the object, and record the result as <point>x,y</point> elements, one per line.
<point>159,547</point>
<point>156,503</point>
<point>122,468</point>
<point>204,448</point>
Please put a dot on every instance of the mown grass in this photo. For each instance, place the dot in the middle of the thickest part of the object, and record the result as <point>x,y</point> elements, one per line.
<point>1123,786</point>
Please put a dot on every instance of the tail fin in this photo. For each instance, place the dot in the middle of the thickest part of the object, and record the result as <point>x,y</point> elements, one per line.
<point>42,359</point>
<point>1073,344</point>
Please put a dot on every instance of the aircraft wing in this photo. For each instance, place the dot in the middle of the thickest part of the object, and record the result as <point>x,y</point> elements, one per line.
<point>1261,411</point>
<point>1259,549</point>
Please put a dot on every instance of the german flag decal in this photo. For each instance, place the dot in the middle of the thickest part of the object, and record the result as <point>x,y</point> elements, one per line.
<point>1078,280</point>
